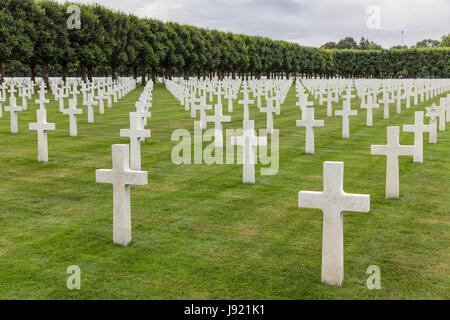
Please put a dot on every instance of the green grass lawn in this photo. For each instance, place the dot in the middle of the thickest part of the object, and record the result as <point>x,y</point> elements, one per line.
<point>198,232</point>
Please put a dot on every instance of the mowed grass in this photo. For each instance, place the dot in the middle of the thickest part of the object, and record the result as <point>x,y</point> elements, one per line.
<point>198,232</point>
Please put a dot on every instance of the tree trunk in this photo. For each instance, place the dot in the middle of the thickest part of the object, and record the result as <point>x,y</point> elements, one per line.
<point>90,74</point>
<point>83,73</point>
<point>33,72</point>
<point>115,71</point>
<point>64,73</point>
<point>143,81</point>
<point>45,75</point>
<point>1,72</point>
<point>135,73</point>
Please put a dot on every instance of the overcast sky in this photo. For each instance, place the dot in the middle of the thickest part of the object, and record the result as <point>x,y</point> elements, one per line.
<point>307,22</point>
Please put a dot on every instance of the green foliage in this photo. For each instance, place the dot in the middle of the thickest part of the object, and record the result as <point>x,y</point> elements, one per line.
<point>445,41</point>
<point>34,34</point>
<point>427,43</point>
<point>254,244</point>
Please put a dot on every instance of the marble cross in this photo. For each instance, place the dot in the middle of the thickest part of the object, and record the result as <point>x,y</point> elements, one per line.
<point>203,107</point>
<point>418,128</point>
<point>72,111</point>
<point>348,95</point>
<point>269,110</point>
<point>42,126</point>
<point>442,112</point>
<point>309,123</point>
<point>2,99</point>
<point>121,177</point>
<point>229,96</point>
<point>303,102</point>
<point>392,150</point>
<point>249,142</point>
<point>447,107</point>
<point>329,99</point>
<point>218,118</point>
<point>142,108</point>
<point>42,101</point>
<point>333,200</point>
<point>386,100</point>
<point>24,96</point>
<point>101,103</point>
<point>346,112</point>
<point>433,113</point>
<point>13,109</point>
<point>399,97</point>
<point>90,103</point>
<point>137,134</point>
<point>370,105</point>
<point>246,102</point>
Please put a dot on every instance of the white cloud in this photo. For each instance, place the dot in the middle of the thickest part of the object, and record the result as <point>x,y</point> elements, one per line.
<point>307,22</point>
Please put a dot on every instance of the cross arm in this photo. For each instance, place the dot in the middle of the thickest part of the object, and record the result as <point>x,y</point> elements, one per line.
<point>407,150</point>
<point>378,150</point>
<point>136,177</point>
<point>103,176</point>
<point>409,128</point>
<point>356,202</point>
<point>310,199</point>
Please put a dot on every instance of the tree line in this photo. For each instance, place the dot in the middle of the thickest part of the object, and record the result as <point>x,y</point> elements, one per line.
<point>35,40</point>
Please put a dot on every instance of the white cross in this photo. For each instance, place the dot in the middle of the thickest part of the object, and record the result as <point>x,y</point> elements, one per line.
<point>2,99</point>
<point>442,111</point>
<point>370,105</point>
<point>392,151</point>
<point>121,177</point>
<point>75,91</point>
<point>203,107</point>
<point>42,127</point>
<point>42,101</point>
<point>246,102</point>
<point>90,103</point>
<point>345,113</point>
<point>309,123</point>
<point>329,99</point>
<point>433,113</point>
<point>447,107</point>
<point>386,102</point>
<point>72,111</point>
<point>418,128</point>
<point>249,142</point>
<point>303,102</point>
<point>142,111</point>
<point>229,96</point>
<point>13,109</point>
<point>24,96</point>
<point>399,97</point>
<point>348,95</point>
<point>136,133</point>
<point>269,110</point>
<point>218,118</point>
<point>194,105</point>
<point>101,105</point>
<point>333,200</point>
<point>61,97</point>
<point>12,90</point>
